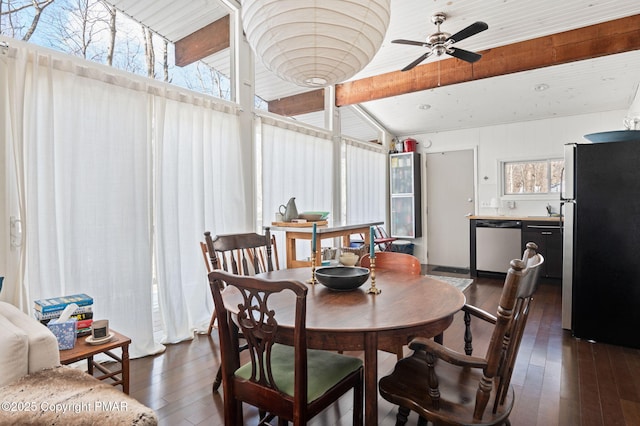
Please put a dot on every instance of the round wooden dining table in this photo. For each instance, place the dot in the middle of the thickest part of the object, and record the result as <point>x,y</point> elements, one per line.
<point>408,306</point>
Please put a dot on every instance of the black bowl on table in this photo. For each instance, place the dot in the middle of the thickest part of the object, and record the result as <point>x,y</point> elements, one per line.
<point>342,278</point>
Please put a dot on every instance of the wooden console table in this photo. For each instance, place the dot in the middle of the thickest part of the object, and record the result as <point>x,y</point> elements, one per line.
<point>322,232</point>
<point>83,350</point>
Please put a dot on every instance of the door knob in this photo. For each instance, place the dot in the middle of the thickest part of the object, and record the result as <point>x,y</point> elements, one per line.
<point>470,200</point>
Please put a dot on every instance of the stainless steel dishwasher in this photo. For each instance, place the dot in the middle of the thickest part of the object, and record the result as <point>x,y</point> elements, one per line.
<point>497,243</point>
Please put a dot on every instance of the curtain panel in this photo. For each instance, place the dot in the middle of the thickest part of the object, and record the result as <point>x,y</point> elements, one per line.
<point>365,176</point>
<point>82,166</point>
<point>114,179</point>
<point>199,186</point>
<point>296,162</point>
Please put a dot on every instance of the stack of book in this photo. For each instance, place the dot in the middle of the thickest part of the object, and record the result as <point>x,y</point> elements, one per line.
<point>46,310</point>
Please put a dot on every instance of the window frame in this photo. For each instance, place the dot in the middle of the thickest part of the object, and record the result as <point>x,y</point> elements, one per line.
<point>527,196</point>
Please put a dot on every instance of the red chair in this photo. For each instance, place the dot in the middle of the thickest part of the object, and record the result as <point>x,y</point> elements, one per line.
<point>382,239</point>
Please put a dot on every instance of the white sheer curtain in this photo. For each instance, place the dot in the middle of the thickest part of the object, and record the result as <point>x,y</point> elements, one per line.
<point>11,259</point>
<point>200,186</point>
<point>366,179</point>
<point>103,168</point>
<point>82,167</point>
<point>296,162</point>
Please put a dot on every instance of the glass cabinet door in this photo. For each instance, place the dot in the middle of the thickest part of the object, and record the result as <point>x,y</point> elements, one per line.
<point>405,195</point>
<point>401,174</point>
<point>402,217</point>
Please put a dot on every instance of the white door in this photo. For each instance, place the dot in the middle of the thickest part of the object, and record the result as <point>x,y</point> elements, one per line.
<point>450,199</point>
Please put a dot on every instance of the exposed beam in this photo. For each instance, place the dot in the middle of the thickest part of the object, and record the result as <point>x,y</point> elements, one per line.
<point>204,42</point>
<point>617,36</point>
<point>302,103</point>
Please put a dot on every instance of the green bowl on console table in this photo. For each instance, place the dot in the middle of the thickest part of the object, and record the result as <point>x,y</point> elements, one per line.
<point>314,216</point>
<point>342,278</point>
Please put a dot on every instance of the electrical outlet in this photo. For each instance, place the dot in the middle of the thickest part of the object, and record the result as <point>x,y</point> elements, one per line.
<point>485,204</point>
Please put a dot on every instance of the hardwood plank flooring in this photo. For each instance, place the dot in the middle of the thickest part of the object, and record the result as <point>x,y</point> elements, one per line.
<point>558,380</point>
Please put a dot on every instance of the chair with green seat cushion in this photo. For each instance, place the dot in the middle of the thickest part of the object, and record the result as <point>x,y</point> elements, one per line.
<point>291,382</point>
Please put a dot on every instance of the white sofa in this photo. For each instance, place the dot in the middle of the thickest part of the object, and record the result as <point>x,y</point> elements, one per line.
<point>27,346</point>
<point>37,390</point>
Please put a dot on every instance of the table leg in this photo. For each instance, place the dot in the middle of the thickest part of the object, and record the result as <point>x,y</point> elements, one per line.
<point>290,246</point>
<point>318,249</point>
<point>125,369</point>
<point>371,379</point>
<point>90,365</point>
<point>367,240</point>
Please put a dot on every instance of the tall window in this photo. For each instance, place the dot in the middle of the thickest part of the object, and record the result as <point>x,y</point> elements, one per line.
<point>531,177</point>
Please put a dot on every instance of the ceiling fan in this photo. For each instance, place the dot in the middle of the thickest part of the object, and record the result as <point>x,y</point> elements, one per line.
<point>440,42</point>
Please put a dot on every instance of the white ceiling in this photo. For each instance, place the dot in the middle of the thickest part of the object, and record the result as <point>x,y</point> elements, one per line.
<point>601,84</point>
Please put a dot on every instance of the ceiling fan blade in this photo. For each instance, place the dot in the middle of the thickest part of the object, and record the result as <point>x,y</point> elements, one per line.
<point>465,55</point>
<point>472,29</point>
<point>416,62</point>
<point>411,42</point>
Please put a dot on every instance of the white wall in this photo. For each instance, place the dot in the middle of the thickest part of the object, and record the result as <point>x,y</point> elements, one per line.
<point>524,140</point>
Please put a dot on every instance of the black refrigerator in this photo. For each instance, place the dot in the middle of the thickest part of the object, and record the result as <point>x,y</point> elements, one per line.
<point>601,242</point>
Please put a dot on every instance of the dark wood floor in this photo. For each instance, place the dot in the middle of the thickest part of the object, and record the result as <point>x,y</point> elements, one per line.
<point>558,380</point>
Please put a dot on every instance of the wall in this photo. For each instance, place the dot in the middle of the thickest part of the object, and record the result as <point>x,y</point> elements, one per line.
<point>516,141</point>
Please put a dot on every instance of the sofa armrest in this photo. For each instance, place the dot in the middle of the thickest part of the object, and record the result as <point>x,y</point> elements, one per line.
<point>14,351</point>
<point>42,344</point>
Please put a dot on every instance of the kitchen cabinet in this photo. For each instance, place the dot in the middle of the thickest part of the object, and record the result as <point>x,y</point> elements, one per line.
<point>548,236</point>
<point>405,185</point>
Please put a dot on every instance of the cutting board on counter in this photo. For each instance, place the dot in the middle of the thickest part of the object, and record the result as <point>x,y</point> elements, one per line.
<point>299,224</point>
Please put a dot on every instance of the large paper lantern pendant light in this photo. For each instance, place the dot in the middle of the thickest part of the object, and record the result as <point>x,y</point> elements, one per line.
<point>315,42</point>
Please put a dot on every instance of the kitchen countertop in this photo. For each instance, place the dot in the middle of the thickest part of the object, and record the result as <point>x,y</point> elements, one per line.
<point>522,218</point>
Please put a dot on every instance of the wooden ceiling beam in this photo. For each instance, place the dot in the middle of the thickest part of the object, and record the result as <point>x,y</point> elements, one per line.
<point>204,42</point>
<point>617,36</point>
<point>302,103</point>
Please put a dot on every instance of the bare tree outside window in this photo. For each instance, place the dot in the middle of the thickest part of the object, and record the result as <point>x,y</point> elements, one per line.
<point>95,30</point>
<point>19,19</point>
<point>149,53</point>
<point>112,32</point>
<point>532,177</point>
<point>165,60</point>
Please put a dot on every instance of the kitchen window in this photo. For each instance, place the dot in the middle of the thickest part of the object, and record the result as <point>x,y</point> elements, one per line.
<point>535,177</point>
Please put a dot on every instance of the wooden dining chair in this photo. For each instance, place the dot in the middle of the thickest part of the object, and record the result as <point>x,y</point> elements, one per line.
<point>240,254</point>
<point>291,382</point>
<point>447,387</point>
<point>401,262</point>
<point>262,256</point>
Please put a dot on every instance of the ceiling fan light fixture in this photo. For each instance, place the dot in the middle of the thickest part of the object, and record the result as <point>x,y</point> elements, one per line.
<point>440,43</point>
<point>315,43</point>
